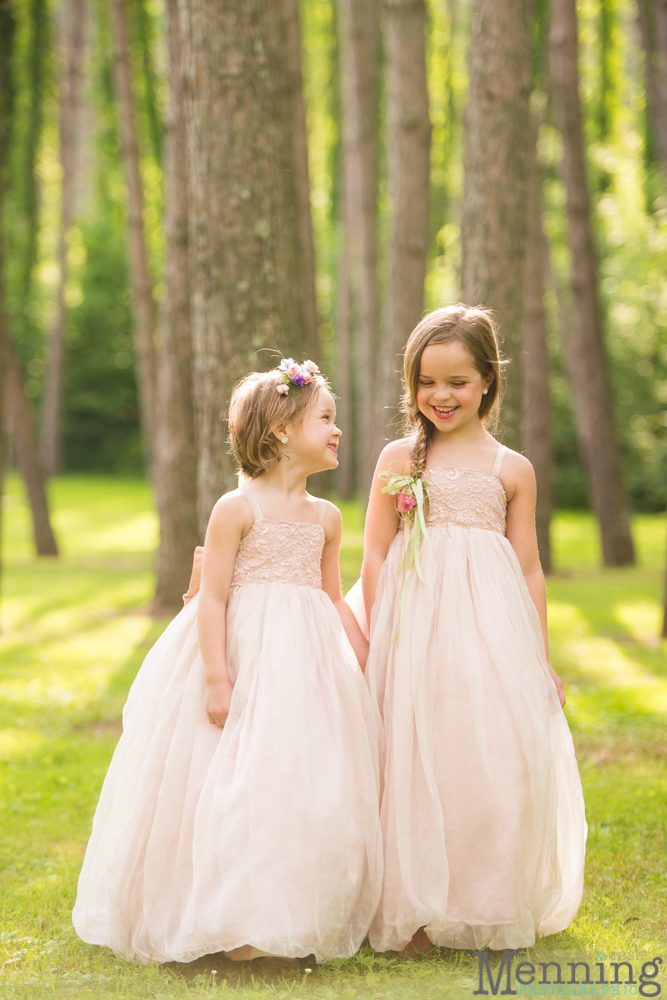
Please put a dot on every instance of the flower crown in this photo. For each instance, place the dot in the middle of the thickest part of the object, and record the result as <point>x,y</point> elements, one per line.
<point>295,376</point>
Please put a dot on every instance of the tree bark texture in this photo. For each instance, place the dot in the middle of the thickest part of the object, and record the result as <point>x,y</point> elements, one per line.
<point>342,367</point>
<point>37,68</point>
<point>652,17</point>
<point>245,248</point>
<point>15,411</point>
<point>409,184</point>
<point>142,286</point>
<point>27,452</point>
<point>347,281</point>
<point>175,451</point>
<point>360,34</point>
<point>302,181</point>
<point>72,37</point>
<point>587,362</point>
<point>6,45</point>
<point>537,426</point>
<point>496,175</point>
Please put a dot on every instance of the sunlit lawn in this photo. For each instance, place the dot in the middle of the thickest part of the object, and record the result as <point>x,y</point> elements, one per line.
<point>74,634</point>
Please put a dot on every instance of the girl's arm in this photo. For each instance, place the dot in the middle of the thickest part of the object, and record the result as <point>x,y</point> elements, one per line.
<point>331,583</point>
<point>520,532</point>
<point>230,521</point>
<point>381,519</point>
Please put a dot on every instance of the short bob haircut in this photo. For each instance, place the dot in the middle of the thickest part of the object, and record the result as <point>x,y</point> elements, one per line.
<point>255,408</point>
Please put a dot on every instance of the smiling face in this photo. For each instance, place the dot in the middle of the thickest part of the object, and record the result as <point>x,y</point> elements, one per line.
<point>450,388</point>
<point>314,438</point>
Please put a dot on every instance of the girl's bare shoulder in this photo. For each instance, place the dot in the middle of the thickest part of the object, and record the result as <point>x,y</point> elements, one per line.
<point>233,510</point>
<point>516,473</point>
<point>397,456</point>
<point>332,521</point>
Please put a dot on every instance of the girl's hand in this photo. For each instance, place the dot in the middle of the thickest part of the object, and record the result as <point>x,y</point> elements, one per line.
<point>559,685</point>
<point>218,701</point>
<point>195,577</point>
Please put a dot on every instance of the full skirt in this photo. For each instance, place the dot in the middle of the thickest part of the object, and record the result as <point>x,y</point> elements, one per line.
<point>482,810</point>
<point>264,833</point>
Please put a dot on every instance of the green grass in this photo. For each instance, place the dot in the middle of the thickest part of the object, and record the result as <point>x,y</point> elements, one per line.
<point>74,634</point>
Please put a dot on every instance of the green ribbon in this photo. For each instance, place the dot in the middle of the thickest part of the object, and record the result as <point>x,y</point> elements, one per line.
<point>414,528</point>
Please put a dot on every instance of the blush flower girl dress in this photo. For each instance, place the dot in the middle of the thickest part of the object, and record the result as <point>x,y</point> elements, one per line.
<point>263,835</point>
<point>482,809</point>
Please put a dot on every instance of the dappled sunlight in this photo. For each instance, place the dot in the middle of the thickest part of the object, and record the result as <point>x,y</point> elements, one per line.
<point>623,683</point>
<point>19,742</point>
<point>74,640</point>
<point>76,671</point>
<point>133,534</point>
<point>650,535</point>
<point>36,615</point>
<point>642,619</point>
<point>575,540</point>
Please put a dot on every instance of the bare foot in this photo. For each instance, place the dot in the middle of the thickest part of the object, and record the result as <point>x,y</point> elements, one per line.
<point>419,944</point>
<point>276,962</point>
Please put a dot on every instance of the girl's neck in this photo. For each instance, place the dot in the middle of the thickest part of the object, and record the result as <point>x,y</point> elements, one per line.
<point>469,435</point>
<point>286,478</point>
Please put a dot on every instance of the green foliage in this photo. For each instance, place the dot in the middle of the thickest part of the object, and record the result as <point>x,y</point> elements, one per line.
<point>631,241</point>
<point>74,634</point>
<point>101,424</point>
<point>627,184</point>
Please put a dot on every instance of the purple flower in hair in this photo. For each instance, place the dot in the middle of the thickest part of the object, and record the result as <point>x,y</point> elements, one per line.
<point>300,379</point>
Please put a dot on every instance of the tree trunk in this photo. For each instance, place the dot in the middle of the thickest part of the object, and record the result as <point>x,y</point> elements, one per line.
<point>142,286</point>
<point>37,82</point>
<point>345,289</point>
<point>342,367</point>
<point>14,408</point>
<point>409,184</point>
<point>496,176</point>
<point>6,45</point>
<point>302,181</point>
<point>537,432</point>
<point>652,17</point>
<point>27,453</point>
<point>588,362</point>
<point>175,452</point>
<point>245,248</point>
<point>143,22</point>
<point>359,28</point>
<point>72,32</point>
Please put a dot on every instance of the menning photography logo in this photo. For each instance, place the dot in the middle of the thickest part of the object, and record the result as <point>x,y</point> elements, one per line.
<point>572,977</point>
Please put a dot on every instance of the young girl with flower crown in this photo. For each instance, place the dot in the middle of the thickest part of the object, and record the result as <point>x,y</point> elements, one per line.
<point>482,811</point>
<point>240,810</point>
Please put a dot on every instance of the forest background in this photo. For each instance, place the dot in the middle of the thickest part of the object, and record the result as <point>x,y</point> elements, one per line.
<point>186,183</point>
<point>80,300</point>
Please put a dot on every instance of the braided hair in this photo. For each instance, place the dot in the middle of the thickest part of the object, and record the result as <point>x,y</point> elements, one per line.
<point>475,329</point>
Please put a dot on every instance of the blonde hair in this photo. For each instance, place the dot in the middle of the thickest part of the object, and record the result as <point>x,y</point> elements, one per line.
<point>475,329</point>
<point>255,408</point>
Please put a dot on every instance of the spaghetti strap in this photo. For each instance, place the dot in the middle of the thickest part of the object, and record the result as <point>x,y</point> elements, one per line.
<point>256,509</point>
<point>500,455</point>
<point>322,511</point>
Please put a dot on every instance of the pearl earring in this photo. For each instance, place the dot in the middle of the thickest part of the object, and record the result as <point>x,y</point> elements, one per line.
<point>284,440</point>
<point>484,392</point>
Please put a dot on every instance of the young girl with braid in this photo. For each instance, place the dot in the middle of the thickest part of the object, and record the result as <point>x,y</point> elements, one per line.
<point>482,811</point>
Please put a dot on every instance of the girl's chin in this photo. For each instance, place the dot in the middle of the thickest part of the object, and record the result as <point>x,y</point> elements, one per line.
<point>327,465</point>
<point>444,423</point>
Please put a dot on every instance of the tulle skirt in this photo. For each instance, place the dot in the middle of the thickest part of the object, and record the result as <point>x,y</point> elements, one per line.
<point>482,810</point>
<point>265,833</point>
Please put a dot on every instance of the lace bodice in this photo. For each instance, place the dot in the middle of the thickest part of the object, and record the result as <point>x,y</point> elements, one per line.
<point>469,498</point>
<point>280,551</point>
